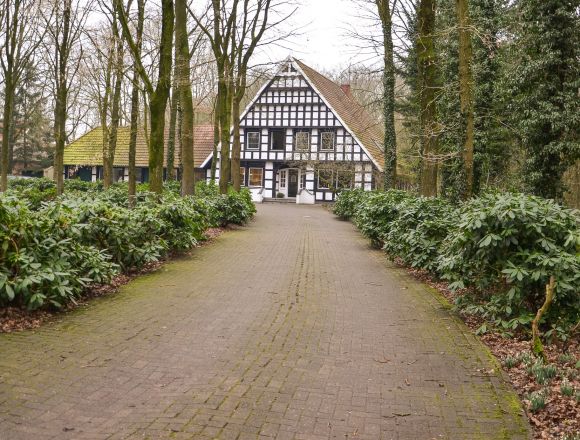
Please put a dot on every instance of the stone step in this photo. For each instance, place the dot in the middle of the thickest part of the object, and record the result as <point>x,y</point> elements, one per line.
<point>280,200</point>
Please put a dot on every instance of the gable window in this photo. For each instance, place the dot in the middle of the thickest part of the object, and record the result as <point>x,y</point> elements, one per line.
<point>256,175</point>
<point>327,138</point>
<point>253,140</point>
<point>243,176</point>
<point>302,140</point>
<point>325,179</point>
<point>277,140</point>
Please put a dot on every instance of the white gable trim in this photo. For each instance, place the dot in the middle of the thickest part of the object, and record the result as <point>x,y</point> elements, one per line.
<point>337,116</point>
<point>252,102</point>
<point>267,84</point>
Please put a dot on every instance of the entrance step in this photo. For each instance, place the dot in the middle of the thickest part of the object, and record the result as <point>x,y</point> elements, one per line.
<point>280,200</point>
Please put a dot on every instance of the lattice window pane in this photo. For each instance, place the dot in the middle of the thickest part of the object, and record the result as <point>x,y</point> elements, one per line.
<point>253,140</point>
<point>256,175</point>
<point>303,141</point>
<point>327,140</point>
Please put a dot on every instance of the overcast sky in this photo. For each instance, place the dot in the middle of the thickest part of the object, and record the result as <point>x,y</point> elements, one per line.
<point>324,40</point>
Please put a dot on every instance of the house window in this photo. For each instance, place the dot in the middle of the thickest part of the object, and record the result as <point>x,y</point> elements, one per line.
<point>325,178</point>
<point>277,140</point>
<point>256,175</point>
<point>302,140</point>
<point>327,138</point>
<point>283,178</point>
<point>253,140</point>
<point>243,176</point>
<point>118,174</point>
<point>344,179</point>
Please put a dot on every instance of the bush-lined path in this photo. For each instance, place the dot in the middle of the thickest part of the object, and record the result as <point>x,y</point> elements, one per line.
<point>289,328</point>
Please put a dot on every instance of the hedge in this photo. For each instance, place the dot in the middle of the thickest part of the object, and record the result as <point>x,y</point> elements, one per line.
<point>52,249</point>
<point>497,251</point>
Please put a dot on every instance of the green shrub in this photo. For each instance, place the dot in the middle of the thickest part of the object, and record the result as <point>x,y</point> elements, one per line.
<point>52,250</point>
<point>82,186</point>
<point>501,249</point>
<point>418,231</point>
<point>376,212</point>
<point>348,202</point>
<point>505,247</point>
<point>39,263</point>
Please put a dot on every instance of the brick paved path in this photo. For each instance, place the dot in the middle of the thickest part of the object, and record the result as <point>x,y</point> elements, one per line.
<point>308,334</point>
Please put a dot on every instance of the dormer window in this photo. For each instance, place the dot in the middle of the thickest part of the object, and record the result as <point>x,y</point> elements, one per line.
<point>253,140</point>
<point>327,140</point>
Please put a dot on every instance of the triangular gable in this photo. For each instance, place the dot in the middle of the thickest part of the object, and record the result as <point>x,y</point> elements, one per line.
<point>348,112</point>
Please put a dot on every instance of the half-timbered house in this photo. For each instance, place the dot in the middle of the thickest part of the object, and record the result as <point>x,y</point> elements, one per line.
<point>304,137</point>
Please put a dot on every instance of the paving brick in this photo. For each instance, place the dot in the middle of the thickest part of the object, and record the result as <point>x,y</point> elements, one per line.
<point>291,327</point>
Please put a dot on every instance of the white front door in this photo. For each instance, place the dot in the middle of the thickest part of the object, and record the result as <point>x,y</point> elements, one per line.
<point>284,182</point>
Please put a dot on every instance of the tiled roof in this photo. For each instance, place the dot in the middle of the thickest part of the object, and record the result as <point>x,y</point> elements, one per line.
<point>88,149</point>
<point>353,115</point>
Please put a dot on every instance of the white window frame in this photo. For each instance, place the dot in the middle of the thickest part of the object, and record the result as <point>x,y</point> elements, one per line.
<point>321,137</point>
<point>250,177</point>
<point>283,178</point>
<point>253,132</point>
<point>302,132</point>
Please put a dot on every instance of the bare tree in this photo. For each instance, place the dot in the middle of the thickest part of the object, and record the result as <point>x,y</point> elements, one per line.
<point>224,22</point>
<point>390,140</point>
<point>254,24</point>
<point>135,102</point>
<point>158,94</point>
<point>427,86</point>
<point>64,26</point>
<point>466,92</point>
<point>19,21</point>
<point>183,79</point>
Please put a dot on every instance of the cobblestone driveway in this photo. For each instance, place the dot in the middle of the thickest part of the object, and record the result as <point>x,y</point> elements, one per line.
<point>290,328</point>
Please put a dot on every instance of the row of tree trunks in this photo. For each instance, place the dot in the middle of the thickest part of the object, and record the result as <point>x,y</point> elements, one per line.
<point>18,20</point>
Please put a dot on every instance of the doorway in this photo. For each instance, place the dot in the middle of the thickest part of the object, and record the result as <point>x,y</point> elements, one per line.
<point>292,182</point>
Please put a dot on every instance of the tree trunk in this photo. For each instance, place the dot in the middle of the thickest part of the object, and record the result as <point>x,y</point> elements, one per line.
<point>8,110</point>
<point>427,85</point>
<point>236,146</point>
<point>104,110</point>
<point>216,141</point>
<point>173,118</point>
<point>185,97</point>
<point>537,347</point>
<point>133,139</point>
<point>466,92</point>
<point>135,108</point>
<point>116,103</point>
<point>390,138</point>
<point>224,113</point>
<point>60,108</point>
<point>158,101</point>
